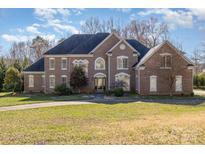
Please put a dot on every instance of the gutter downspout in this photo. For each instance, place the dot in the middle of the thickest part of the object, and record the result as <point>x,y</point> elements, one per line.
<point>109,71</point>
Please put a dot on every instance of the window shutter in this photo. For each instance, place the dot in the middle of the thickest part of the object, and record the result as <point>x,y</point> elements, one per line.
<point>178,86</point>
<point>153,83</point>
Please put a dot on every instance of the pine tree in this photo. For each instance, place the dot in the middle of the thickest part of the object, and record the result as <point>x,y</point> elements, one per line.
<point>2,72</point>
<point>12,80</point>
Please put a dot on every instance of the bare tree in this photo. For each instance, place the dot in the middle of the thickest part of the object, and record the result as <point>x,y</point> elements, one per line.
<point>202,49</point>
<point>91,26</point>
<point>150,32</point>
<point>196,58</point>
<point>170,77</point>
<point>39,46</point>
<point>20,50</point>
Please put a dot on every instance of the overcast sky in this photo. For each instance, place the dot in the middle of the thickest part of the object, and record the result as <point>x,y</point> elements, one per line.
<point>187,25</point>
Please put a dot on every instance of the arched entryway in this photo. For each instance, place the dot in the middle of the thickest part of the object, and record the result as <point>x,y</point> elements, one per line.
<point>125,78</point>
<point>100,82</point>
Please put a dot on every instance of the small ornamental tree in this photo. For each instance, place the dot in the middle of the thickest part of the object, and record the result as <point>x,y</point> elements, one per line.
<point>78,78</point>
<point>12,80</point>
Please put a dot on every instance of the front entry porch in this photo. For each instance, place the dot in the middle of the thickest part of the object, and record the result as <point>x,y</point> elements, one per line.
<point>100,82</point>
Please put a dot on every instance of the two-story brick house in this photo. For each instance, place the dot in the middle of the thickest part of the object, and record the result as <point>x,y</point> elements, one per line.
<point>107,58</point>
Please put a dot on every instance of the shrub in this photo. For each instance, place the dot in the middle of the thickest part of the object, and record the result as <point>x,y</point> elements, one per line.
<point>108,93</point>
<point>62,89</point>
<point>118,92</point>
<point>196,80</point>
<point>199,80</point>
<point>78,78</point>
<point>202,79</point>
<point>12,80</point>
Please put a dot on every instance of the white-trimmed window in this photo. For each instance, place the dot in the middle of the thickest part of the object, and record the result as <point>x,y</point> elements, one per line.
<point>122,62</point>
<point>51,63</point>
<point>125,78</point>
<point>166,60</point>
<point>153,83</point>
<point>31,81</point>
<point>52,81</point>
<point>82,63</point>
<point>64,79</point>
<point>99,64</point>
<point>63,63</point>
<point>178,86</point>
<point>43,80</point>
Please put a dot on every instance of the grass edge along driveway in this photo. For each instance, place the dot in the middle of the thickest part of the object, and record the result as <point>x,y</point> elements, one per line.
<point>9,99</point>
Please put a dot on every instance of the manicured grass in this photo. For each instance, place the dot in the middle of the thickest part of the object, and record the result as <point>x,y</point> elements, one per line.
<point>9,99</point>
<point>131,123</point>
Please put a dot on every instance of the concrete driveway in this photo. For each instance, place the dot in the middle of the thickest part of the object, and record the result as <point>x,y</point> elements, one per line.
<point>40,105</point>
<point>101,99</point>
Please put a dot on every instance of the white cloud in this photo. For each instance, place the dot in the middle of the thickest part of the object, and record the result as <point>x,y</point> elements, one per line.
<point>55,18</point>
<point>82,22</point>
<point>77,11</point>
<point>133,16</point>
<point>45,13</point>
<point>19,38</point>
<point>199,13</point>
<point>174,18</point>
<point>15,38</point>
<point>60,27</point>
<point>36,25</point>
<point>33,29</point>
<point>124,10</point>
<point>20,30</point>
<point>202,28</point>
<point>64,12</point>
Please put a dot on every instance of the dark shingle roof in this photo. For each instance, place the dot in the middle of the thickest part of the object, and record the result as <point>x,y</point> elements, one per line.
<point>78,44</point>
<point>82,44</point>
<point>138,46</point>
<point>38,66</point>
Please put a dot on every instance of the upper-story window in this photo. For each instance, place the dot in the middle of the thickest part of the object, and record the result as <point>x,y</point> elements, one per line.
<point>99,64</point>
<point>122,62</point>
<point>51,64</point>
<point>82,63</point>
<point>166,60</point>
<point>64,64</point>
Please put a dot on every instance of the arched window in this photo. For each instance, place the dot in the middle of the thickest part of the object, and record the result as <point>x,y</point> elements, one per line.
<point>125,79</point>
<point>82,63</point>
<point>99,64</point>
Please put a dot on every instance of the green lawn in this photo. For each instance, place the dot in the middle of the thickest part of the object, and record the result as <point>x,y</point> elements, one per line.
<point>131,123</point>
<point>9,99</point>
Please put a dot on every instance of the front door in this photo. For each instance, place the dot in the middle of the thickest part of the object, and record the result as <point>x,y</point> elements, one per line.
<point>100,84</point>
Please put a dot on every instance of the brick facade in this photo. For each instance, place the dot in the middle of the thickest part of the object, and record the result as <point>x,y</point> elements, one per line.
<point>139,79</point>
<point>152,67</point>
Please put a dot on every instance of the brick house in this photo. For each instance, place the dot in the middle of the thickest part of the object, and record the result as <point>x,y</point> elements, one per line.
<point>107,58</point>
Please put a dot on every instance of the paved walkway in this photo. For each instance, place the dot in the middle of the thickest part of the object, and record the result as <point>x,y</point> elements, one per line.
<point>40,105</point>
